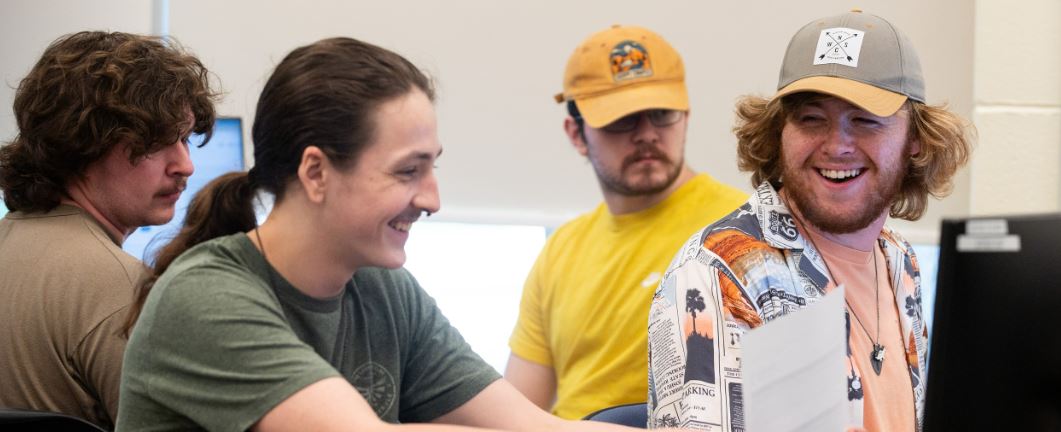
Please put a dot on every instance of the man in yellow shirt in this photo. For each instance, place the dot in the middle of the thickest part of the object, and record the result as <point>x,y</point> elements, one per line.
<point>579,343</point>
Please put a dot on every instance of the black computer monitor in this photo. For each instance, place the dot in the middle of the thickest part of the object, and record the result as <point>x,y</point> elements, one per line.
<point>223,154</point>
<point>995,359</point>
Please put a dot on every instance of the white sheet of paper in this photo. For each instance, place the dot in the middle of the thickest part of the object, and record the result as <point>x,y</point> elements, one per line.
<point>793,370</point>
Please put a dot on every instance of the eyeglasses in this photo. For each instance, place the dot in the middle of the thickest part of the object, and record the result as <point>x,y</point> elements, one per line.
<point>658,118</point>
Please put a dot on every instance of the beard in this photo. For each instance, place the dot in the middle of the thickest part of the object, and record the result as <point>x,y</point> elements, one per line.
<point>859,215</point>
<point>619,183</point>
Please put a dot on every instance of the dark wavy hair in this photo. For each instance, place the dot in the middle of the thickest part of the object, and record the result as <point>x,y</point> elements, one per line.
<point>946,144</point>
<point>324,95</point>
<point>89,93</point>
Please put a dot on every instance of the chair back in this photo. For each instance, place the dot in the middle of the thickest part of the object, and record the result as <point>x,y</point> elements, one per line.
<point>633,415</point>
<point>17,420</point>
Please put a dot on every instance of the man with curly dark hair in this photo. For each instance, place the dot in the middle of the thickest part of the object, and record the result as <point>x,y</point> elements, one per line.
<point>102,149</point>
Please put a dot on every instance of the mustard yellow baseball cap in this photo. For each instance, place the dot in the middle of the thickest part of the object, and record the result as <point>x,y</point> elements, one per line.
<point>858,57</point>
<point>622,70</point>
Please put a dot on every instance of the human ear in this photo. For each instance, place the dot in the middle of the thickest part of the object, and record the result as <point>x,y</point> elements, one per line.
<point>915,147</point>
<point>312,173</point>
<point>575,134</point>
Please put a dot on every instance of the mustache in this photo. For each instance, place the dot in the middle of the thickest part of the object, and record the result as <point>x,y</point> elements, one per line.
<point>652,152</point>
<point>179,185</point>
<point>412,215</point>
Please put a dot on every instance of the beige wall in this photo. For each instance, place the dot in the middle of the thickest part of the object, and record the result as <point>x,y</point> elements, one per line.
<point>1017,107</point>
<point>498,63</point>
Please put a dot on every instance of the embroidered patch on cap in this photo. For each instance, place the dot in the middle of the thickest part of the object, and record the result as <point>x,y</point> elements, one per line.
<point>630,60</point>
<point>839,46</point>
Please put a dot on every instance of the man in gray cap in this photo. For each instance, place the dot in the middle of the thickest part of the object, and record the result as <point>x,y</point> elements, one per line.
<point>847,141</point>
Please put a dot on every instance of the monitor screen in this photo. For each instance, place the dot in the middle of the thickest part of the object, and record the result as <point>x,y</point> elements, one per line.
<point>224,153</point>
<point>995,362</point>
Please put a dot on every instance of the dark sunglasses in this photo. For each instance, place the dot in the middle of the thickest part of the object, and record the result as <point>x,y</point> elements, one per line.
<point>658,118</point>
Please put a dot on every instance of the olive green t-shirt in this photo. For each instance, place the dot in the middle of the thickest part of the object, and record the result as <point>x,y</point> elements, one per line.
<point>223,339</point>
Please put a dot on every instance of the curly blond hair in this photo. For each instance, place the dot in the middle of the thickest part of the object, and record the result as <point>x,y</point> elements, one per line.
<point>946,144</point>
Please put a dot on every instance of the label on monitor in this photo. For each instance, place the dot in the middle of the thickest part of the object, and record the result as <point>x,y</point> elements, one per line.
<point>987,227</point>
<point>988,243</point>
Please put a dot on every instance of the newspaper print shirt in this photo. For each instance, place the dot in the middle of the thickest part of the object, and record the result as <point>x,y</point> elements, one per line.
<point>746,269</point>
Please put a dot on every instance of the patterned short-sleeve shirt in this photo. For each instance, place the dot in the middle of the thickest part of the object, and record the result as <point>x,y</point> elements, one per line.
<point>748,268</point>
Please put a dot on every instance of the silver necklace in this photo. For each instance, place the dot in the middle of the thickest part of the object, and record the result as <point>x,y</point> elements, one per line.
<point>876,357</point>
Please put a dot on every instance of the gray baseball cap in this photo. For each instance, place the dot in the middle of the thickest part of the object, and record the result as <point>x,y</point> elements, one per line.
<point>856,56</point>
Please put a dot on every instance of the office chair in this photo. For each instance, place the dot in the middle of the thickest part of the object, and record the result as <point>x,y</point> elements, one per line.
<point>633,415</point>
<point>17,420</point>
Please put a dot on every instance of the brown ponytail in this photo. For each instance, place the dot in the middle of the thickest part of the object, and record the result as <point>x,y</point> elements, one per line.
<point>222,207</point>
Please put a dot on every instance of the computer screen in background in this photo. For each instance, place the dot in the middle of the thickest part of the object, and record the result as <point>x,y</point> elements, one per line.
<point>224,153</point>
<point>995,362</point>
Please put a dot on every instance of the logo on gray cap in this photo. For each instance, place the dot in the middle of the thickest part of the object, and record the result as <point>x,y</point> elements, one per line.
<point>839,45</point>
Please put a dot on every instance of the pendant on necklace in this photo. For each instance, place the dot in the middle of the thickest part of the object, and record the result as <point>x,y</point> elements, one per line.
<point>876,358</point>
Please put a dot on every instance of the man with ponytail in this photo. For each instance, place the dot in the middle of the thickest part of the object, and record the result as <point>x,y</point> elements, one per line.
<point>308,322</point>
<point>103,122</point>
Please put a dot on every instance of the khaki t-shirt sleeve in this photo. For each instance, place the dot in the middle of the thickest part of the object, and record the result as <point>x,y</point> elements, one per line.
<point>99,356</point>
<point>529,338</point>
<point>220,353</point>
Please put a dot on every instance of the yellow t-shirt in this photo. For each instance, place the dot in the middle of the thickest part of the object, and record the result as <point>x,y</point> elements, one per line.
<point>585,304</point>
